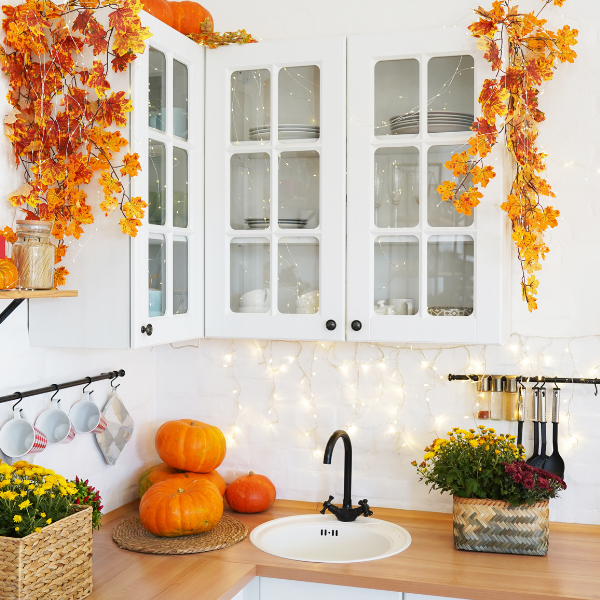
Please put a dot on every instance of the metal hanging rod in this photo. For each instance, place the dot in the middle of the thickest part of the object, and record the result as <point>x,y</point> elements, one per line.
<point>62,386</point>
<point>523,379</point>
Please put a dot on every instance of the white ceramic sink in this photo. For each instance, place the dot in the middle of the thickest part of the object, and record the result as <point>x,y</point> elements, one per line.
<point>322,538</point>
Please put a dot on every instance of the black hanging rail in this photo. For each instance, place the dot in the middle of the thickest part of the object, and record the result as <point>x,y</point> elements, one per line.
<point>523,379</point>
<point>61,386</point>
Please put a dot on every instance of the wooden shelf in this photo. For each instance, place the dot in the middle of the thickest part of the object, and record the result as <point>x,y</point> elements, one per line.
<point>24,294</point>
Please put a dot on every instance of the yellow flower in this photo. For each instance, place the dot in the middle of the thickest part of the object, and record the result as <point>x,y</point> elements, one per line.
<point>52,496</point>
<point>16,529</point>
<point>9,495</point>
<point>17,518</point>
<point>31,487</point>
<point>17,481</point>
<point>487,447</point>
<point>49,521</point>
<point>38,529</point>
<point>24,505</point>
<point>42,514</point>
<point>491,430</point>
<point>498,452</point>
<point>429,455</point>
<point>23,493</point>
<point>473,443</point>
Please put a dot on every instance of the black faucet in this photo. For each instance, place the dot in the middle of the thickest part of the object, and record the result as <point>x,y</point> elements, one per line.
<point>346,513</point>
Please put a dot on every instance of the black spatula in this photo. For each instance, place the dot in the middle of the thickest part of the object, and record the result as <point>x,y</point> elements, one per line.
<point>536,424</point>
<point>539,462</point>
<point>555,464</point>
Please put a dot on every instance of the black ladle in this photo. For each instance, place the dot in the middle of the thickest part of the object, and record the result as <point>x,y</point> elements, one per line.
<point>555,464</point>
<point>539,462</point>
<point>536,430</point>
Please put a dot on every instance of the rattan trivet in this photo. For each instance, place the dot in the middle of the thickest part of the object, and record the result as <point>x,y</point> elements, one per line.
<point>131,535</point>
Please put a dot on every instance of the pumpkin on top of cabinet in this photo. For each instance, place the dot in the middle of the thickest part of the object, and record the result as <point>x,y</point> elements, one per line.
<point>191,17</point>
<point>190,445</point>
<point>251,493</point>
<point>9,276</point>
<point>181,506</point>
<point>160,9</point>
<point>212,476</point>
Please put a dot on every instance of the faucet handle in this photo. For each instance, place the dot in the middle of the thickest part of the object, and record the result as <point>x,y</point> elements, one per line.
<point>326,505</point>
<point>365,508</point>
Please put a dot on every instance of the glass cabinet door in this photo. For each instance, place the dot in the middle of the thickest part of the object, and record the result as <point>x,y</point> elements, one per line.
<point>167,291</point>
<point>275,191</point>
<point>423,260</point>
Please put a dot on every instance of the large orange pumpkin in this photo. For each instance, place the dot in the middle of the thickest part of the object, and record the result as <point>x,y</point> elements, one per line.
<point>213,477</point>
<point>251,493</point>
<point>153,475</point>
<point>9,276</point>
<point>181,506</point>
<point>191,17</point>
<point>190,445</point>
<point>159,9</point>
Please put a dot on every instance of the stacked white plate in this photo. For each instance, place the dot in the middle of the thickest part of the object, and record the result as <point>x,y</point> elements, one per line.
<point>438,121</point>
<point>283,223</point>
<point>287,131</point>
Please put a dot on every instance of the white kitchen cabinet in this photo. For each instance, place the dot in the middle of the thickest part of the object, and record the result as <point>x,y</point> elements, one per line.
<point>275,190</point>
<point>418,271</point>
<point>146,290</point>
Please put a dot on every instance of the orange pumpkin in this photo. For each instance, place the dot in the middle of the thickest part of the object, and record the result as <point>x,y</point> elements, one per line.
<point>251,493</point>
<point>181,506</point>
<point>191,17</point>
<point>190,445</point>
<point>159,9</point>
<point>154,475</point>
<point>213,477</point>
<point>9,276</point>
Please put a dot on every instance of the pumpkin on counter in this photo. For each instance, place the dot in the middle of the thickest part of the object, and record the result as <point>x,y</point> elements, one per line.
<point>181,506</point>
<point>189,445</point>
<point>191,17</point>
<point>251,493</point>
<point>213,477</point>
<point>153,475</point>
<point>159,9</point>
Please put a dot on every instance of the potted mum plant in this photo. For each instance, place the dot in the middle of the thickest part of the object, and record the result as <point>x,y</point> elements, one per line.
<point>500,502</point>
<point>45,537</point>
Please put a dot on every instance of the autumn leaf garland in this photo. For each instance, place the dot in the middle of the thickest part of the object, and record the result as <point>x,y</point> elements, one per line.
<point>62,112</point>
<point>523,54</point>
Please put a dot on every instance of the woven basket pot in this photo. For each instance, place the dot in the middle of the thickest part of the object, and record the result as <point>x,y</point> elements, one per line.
<point>496,526</point>
<point>53,564</point>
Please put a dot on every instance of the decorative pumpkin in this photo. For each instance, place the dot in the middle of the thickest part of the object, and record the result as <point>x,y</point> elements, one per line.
<point>251,493</point>
<point>181,506</point>
<point>9,276</point>
<point>190,445</point>
<point>213,477</point>
<point>154,475</point>
<point>191,17</point>
<point>159,9</point>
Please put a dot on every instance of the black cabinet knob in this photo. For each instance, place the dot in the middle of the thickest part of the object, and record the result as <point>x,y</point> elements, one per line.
<point>356,325</point>
<point>147,329</point>
<point>331,324</point>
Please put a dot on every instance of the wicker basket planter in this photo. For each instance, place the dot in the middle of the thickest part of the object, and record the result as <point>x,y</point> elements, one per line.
<point>53,564</point>
<point>496,526</point>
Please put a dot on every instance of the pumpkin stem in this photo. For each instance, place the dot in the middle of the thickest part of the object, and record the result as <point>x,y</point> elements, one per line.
<point>251,473</point>
<point>180,490</point>
<point>192,423</point>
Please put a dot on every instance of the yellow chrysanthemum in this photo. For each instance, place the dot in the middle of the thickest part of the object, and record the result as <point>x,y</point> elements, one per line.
<point>49,521</point>
<point>16,529</point>
<point>23,493</point>
<point>473,443</point>
<point>38,529</point>
<point>429,455</point>
<point>24,505</point>
<point>17,518</point>
<point>42,514</point>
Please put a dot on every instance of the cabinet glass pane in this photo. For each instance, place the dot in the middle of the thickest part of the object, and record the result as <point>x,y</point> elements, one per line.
<point>250,279</point>
<point>299,190</point>
<point>450,268</point>
<point>180,187</point>
<point>250,193</point>
<point>157,182</point>
<point>250,105</point>
<point>180,275</point>
<point>299,103</point>
<point>439,212</point>
<point>451,93</point>
<point>298,276</point>
<point>157,264</point>
<point>180,100</point>
<point>396,272</point>
<point>397,97</point>
<point>157,90</point>
<point>396,191</point>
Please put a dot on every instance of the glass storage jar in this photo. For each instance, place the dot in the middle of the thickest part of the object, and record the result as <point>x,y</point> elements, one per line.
<point>34,255</point>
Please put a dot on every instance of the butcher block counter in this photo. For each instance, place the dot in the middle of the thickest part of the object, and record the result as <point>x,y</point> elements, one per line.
<point>431,565</point>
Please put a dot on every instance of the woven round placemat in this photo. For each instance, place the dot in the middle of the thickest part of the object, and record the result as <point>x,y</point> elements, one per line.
<point>131,535</point>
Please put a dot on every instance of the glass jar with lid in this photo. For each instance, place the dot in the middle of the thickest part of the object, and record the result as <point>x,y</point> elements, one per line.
<point>34,255</point>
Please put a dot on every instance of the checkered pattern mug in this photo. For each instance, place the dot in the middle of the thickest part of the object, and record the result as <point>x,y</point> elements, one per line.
<point>86,416</point>
<point>19,437</point>
<point>56,425</point>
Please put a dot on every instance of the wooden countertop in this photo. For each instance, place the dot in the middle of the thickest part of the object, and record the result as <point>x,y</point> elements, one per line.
<point>431,565</point>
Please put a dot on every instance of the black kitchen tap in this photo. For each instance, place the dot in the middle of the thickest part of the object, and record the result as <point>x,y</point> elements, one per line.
<point>346,513</point>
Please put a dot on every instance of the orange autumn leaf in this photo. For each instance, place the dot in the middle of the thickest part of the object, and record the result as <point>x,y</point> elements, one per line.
<point>493,99</point>
<point>130,226</point>
<point>446,190</point>
<point>131,165</point>
<point>97,79</point>
<point>467,201</point>
<point>9,235</point>
<point>134,209</point>
<point>60,275</point>
<point>482,176</point>
<point>458,164</point>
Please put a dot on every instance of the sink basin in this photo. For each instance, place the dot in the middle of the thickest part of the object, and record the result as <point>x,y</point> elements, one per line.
<point>322,538</point>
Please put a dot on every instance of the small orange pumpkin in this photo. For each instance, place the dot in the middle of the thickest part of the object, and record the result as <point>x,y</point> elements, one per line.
<point>159,9</point>
<point>181,506</point>
<point>213,477</point>
<point>9,276</point>
<point>190,445</point>
<point>153,475</point>
<point>251,493</point>
<point>191,17</point>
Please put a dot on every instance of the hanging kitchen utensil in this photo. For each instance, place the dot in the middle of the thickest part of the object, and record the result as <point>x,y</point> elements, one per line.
<point>555,464</point>
<point>536,430</point>
<point>521,413</point>
<point>540,460</point>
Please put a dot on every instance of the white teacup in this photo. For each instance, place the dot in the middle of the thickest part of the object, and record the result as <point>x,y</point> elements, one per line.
<point>256,298</point>
<point>86,416</point>
<point>56,425</point>
<point>403,306</point>
<point>308,304</point>
<point>19,437</point>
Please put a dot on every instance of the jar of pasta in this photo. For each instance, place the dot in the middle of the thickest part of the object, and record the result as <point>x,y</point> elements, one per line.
<point>34,255</point>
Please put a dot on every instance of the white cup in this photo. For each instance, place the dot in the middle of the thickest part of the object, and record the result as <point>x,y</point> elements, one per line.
<point>402,306</point>
<point>56,425</point>
<point>19,437</point>
<point>308,304</point>
<point>86,416</point>
<point>256,298</point>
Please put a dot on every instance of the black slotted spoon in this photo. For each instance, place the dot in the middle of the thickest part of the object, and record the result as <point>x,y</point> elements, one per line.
<point>539,461</point>
<point>555,464</point>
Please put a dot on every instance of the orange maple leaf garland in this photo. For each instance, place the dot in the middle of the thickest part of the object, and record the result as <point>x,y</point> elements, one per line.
<point>58,126</point>
<point>531,53</point>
